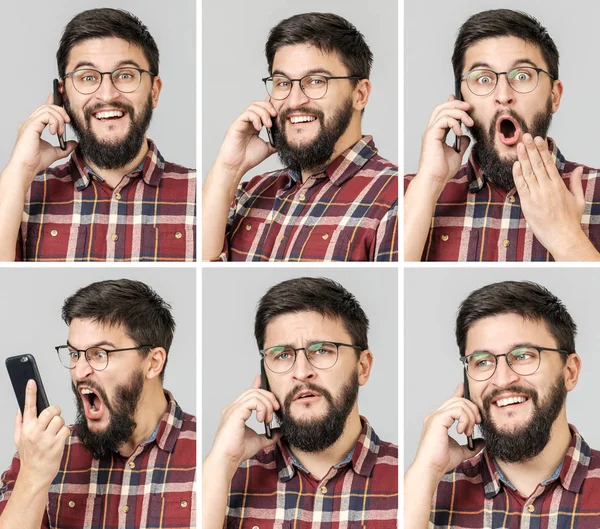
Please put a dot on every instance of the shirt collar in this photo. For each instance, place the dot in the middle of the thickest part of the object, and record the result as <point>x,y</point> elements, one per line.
<point>151,168</point>
<point>477,179</point>
<point>362,457</point>
<point>345,166</point>
<point>571,471</point>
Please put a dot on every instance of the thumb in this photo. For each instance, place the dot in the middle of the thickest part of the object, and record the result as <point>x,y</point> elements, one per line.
<point>18,426</point>
<point>275,437</point>
<point>465,141</point>
<point>478,446</point>
<point>59,153</point>
<point>575,185</point>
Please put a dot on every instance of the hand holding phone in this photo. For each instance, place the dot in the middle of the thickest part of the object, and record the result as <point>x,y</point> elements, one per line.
<point>467,395</point>
<point>264,384</point>
<point>21,369</point>
<point>58,101</point>
<point>458,96</point>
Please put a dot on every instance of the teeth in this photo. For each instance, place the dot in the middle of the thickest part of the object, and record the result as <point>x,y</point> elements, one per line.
<point>510,400</point>
<point>86,391</point>
<point>109,114</point>
<point>93,409</point>
<point>302,119</point>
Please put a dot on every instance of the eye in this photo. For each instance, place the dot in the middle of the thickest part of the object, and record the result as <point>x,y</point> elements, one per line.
<point>89,78</point>
<point>481,360</point>
<point>125,75</point>
<point>281,82</point>
<point>282,356</point>
<point>317,81</point>
<point>484,79</point>
<point>73,355</point>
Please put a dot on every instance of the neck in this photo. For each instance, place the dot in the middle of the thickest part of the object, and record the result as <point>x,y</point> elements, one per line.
<point>350,136</point>
<point>113,176</point>
<point>319,463</point>
<point>148,414</point>
<point>528,475</point>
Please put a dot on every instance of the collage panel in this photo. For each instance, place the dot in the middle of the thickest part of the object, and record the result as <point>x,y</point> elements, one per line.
<point>326,341</point>
<point>321,80</point>
<point>523,342</point>
<point>106,435</point>
<point>98,149</point>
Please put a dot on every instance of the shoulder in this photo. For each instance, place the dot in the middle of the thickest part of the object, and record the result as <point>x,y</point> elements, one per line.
<point>265,180</point>
<point>172,169</point>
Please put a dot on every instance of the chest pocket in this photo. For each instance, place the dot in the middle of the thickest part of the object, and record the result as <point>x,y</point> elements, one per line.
<point>173,511</point>
<point>51,241</point>
<point>166,241</point>
<point>68,511</point>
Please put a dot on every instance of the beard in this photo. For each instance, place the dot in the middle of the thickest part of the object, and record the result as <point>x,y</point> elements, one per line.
<point>121,422</point>
<point>315,435</point>
<point>523,443</point>
<point>111,154</point>
<point>497,169</point>
<point>318,151</point>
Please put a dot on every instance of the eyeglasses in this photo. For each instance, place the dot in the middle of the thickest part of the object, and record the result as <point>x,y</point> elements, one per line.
<point>322,355</point>
<point>523,79</point>
<point>314,86</point>
<point>524,361</point>
<point>96,357</point>
<point>125,80</point>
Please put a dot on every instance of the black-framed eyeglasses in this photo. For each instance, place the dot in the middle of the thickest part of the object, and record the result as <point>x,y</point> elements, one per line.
<point>524,361</point>
<point>322,355</point>
<point>87,81</point>
<point>523,79</point>
<point>96,357</point>
<point>314,86</point>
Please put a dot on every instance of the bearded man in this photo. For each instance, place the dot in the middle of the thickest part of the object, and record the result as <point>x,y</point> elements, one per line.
<point>116,199</point>
<point>532,468</point>
<point>517,198</point>
<point>325,463</point>
<point>336,199</point>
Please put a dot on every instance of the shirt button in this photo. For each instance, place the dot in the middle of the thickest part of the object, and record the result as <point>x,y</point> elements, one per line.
<point>302,198</point>
<point>118,196</point>
<point>178,235</point>
<point>54,233</point>
<point>255,527</point>
<point>71,504</point>
<point>114,237</point>
<point>248,227</point>
<point>125,508</point>
<point>506,243</point>
<point>131,464</point>
<point>445,237</point>
<point>530,508</point>
<point>325,236</point>
<point>511,199</point>
<point>323,490</point>
<point>184,504</point>
<point>281,238</point>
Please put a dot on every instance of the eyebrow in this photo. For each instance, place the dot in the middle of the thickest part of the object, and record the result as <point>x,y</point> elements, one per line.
<point>120,64</point>
<point>307,343</point>
<point>312,71</point>
<point>97,344</point>
<point>511,348</point>
<point>521,61</point>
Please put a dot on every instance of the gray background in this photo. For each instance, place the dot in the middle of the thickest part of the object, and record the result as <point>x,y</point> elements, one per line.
<point>31,323</point>
<point>230,358</point>
<point>234,34</point>
<point>29,39</point>
<point>431,299</point>
<point>430,28</point>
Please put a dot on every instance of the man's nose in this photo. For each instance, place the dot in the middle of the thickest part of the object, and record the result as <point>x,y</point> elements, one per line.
<point>297,97</point>
<point>82,368</point>
<point>107,90</point>
<point>504,93</point>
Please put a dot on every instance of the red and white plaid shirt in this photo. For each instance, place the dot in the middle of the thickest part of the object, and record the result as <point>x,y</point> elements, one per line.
<point>71,214</point>
<point>476,221</point>
<point>153,488</point>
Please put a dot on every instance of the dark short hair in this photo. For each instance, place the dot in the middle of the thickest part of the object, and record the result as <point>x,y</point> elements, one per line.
<point>144,316</point>
<point>328,33</point>
<point>524,298</point>
<point>309,294</point>
<point>503,23</point>
<point>102,23</point>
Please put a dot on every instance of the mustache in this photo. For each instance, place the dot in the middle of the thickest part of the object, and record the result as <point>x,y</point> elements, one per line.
<point>529,392</point>
<point>309,386</point>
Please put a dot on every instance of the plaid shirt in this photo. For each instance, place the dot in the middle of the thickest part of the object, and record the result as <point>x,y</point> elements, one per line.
<point>476,221</point>
<point>346,212</point>
<point>273,489</point>
<point>153,488</point>
<point>477,495</point>
<point>71,214</point>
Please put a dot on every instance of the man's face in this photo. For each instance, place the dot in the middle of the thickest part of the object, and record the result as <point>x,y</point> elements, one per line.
<point>107,140</point>
<point>518,430</point>
<point>107,399</point>
<point>312,423</point>
<point>502,117</point>
<point>309,129</point>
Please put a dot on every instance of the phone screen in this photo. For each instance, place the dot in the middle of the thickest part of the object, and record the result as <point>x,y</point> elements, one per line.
<point>468,397</point>
<point>264,384</point>
<point>21,369</point>
<point>58,101</point>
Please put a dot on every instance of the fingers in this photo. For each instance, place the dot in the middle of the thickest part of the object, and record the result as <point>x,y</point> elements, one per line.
<point>575,185</point>
<point>30,409</point>
<point>526,169</point>
<point>459,391</point>
<point>549,164</point>
<point>520,183</point>
<point>537,165</point>
<point>260,114</point>
<point>18,426</point>
<point>55,425</point>
<point>261,404</point>
<point>59,153</point>
<point>453,107</point>
<point>47,416</point>
<point>256,383</point>
<point>465,141</point>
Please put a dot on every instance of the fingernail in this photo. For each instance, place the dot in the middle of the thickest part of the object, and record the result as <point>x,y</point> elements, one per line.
<point>30,383</point>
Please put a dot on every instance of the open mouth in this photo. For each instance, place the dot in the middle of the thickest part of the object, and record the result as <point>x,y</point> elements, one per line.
<point>92,403</point>
<point>109,115</point>
<point>306,396</point>
<point>510,402</point>
<point>508,130</point>
<point>302,118</point>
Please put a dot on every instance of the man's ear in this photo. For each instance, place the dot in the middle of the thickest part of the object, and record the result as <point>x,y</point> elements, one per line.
<point>156,88</point>
<point>365,363</point>
<point>361,94</point>
<point>572,370</point>
<point>156,359</point>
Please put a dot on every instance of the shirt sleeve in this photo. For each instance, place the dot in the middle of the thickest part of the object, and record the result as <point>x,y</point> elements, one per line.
<point>224,255</point>
<point>386,240</point>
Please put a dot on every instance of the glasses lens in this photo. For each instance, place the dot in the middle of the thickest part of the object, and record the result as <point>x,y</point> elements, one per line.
<point>68,357</point>
<point>322,355</point>
<point>86,81</point>
<point>127,79</point>
<point>524,360</point>
<point>279,359</point>
<point>278,86</point>
<point>314,86</point>
<point>523,79</point>
<point>481,366</point>
<point>482,82</point>
<point>97,357</point>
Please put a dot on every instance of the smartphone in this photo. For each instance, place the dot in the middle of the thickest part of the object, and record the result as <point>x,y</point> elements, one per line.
<point>272,131</point>
<point>468,397</point>
<point>21,369</point>
<point>458,95</point>
<point>264,384</point>
<point>58,101</point>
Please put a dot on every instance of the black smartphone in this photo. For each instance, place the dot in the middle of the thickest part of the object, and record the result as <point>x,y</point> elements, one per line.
<point>58,101</point>
<point>272,131</point>
<point>21,369</point>
<point>264,384</point>
<point>468,397</point>
<point>458,96</point>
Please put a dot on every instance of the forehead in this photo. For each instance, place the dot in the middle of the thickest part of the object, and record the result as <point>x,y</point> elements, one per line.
<point>86,332</point>
<point>299,59</point>
<point>502,53</point>
<point>499,334</point>
<point>105,53</point>
<point>298,327</point>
